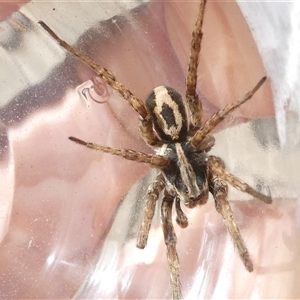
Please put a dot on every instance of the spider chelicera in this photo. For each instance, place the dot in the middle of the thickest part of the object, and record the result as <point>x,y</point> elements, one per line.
<point>186,172</point>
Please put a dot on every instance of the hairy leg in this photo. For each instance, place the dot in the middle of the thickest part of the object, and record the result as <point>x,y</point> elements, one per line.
<point>211,123</point>
<point>218,168</point>
<point>153,192</point>
<point>170,241</point>
<point>153,160</point>
<point>219,189</point>
<point>195,106</point>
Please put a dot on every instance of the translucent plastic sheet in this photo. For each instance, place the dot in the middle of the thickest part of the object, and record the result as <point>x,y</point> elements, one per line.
<point>69,216</point>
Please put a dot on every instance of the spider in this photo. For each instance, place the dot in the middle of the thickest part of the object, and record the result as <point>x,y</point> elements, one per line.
<point>181,141</point>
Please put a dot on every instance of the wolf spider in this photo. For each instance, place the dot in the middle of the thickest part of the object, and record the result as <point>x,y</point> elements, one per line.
<point>186,172</point>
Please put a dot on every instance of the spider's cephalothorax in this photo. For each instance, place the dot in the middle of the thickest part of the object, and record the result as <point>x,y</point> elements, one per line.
<point>186,172</point>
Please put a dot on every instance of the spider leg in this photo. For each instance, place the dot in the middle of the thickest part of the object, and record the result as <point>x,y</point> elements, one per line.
<point>181,218</point>
<point>153,192</point>
<point>148,134</point>
<point>210,124</point>
<point>107,76</point>
<point>195,106</point>
<point>146,125</point>
<point>219,189</point>
<point>218,167</point>
<point>170,241</point>
<point>156,161</point>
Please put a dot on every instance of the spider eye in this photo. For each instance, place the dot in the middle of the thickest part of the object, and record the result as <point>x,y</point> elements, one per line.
<point>168,112</point>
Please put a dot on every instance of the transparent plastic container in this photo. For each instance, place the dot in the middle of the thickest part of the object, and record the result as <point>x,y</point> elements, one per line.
<point>69,216</point>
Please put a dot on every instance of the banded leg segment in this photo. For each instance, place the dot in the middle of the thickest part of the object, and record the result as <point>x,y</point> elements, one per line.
<point>106,75</point>
<point>217,167</point>
<point>170,241</point>
<point>153,160</point>
<point>210,124</point>
<point>195,106</point>
<point>219,189</point>
<point>153,192</point>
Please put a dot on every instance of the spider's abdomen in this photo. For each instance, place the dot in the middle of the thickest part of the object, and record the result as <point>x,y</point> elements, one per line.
<point>168,113</point>
<point>187,172</point>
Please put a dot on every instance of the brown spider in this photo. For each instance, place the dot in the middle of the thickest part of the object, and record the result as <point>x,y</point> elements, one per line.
<point>186,172</point>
